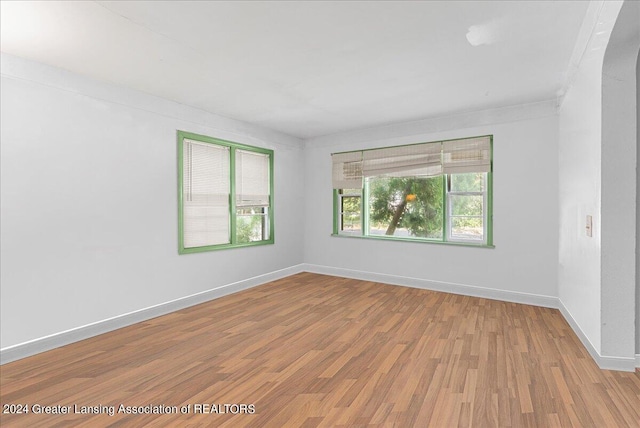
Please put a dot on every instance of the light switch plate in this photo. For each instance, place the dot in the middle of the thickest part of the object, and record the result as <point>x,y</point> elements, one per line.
<point>589,226</point>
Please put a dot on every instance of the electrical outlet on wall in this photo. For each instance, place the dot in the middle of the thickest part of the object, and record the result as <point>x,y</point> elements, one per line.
<point>589,226</point>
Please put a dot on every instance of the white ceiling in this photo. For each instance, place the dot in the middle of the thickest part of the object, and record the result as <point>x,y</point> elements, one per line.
<point>309,68</point>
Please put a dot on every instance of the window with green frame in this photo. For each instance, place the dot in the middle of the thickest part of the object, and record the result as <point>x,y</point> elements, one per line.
<point>438,192</point>
<point>225,194</point>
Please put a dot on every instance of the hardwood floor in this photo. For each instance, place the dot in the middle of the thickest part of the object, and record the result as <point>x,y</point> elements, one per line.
<point>313,350</point>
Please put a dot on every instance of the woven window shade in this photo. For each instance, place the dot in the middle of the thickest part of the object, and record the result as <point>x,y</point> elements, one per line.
<point>252,179</point>
<point>347,170</point>
<point>404,161</point>
<point>469,155</point>
<point>205,194</point>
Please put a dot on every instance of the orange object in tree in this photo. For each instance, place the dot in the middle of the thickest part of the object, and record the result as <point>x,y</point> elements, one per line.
<point>411,197</point>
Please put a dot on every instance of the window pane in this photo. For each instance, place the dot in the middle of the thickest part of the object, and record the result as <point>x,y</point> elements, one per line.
<point>252,179</point>
<point>350,192</point>
<point>252,224</point>
<point>405,206</point>
<point>466,205</point>
<point>472,182</point>
<point>205,194</point>
<point>350,214</point>
<point>466,229</point>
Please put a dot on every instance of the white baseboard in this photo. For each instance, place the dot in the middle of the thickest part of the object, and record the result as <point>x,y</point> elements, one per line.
<point>603,361</point>
<point>447,287</point>
<point>36,346</point>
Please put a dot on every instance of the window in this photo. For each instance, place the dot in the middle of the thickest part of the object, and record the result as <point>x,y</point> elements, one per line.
<point>350,208</point>
<point>429,192</point>
<point>225,194</point>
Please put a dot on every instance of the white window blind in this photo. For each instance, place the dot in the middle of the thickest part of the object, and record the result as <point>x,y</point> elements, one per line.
<point>470,155</point>
<point>427,160</point>
<point>205,194</point>
<point>347,170</point>
<point>252,179</point>
<point>404,161</point>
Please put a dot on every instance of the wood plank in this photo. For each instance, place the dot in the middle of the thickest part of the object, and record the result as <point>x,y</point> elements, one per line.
<point>313,350</point>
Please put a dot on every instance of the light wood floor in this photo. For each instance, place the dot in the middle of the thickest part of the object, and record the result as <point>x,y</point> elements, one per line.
<point>313,350</point>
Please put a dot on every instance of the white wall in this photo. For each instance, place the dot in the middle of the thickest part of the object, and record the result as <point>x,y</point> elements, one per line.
<point>525,256</point>
<point>580,173</point>
<point>598,144</point>
<point>89,202</point>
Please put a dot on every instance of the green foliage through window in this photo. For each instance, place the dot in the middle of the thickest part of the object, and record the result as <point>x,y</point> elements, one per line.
<point>401,206</point>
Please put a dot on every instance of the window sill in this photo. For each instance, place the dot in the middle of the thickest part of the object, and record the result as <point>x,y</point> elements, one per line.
<point>414,240</point>
<point>192,250</point>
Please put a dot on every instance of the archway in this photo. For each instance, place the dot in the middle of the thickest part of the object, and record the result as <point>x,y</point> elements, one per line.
<point>618,180</point>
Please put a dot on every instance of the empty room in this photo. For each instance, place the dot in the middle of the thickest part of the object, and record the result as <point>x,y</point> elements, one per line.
<point>320,213</point>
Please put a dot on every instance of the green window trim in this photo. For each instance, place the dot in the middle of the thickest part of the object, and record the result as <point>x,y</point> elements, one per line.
<point>233,147</point>
<point>444,240</point>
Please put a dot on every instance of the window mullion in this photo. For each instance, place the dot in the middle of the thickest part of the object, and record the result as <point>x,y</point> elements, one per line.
<point>364,208</point>
<point>488,211</point>
<point>445,208</point>
<point>271,208</point>
<point>337,202</point>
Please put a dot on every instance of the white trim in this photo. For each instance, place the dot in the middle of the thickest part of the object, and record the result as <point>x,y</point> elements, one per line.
<point>447,287</point>
<point>585,36</point>
<point>36,346</point>
<point>578,331</point>
<point>622,364</point>
<point>56,340</point>
<point>604,362</point>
